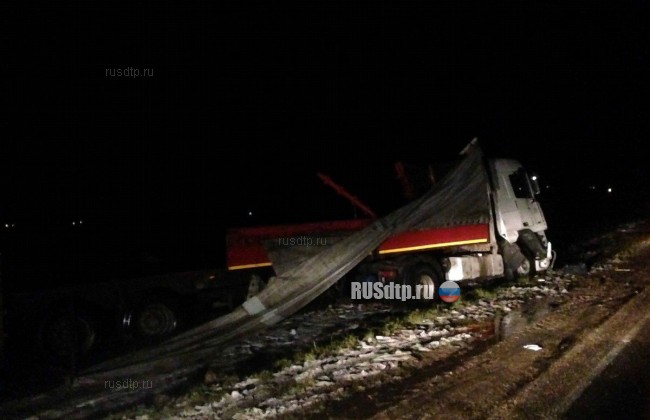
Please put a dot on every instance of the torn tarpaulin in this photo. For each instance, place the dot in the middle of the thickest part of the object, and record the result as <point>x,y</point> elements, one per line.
<point>461,196</point>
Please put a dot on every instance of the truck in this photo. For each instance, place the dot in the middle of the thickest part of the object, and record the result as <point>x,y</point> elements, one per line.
<point>486,223</point>
<point>510,242</point>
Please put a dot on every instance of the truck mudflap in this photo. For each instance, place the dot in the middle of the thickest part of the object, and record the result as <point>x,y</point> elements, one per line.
<point>462,192</point>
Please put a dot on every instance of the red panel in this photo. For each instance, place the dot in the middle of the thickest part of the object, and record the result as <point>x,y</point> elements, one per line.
<point>436,237</point>
<point>246,249</point>
<point>247,256</point>
<point>245,245</point>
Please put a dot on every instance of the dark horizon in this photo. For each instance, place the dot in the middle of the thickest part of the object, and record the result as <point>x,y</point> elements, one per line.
<point>244,105</point>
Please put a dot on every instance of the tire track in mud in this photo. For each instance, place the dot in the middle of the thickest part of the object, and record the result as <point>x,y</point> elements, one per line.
<point>479,385</point>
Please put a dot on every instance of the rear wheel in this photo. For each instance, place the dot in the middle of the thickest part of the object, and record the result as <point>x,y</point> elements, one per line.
<point>67,337</point>
<point>424,279</point>
<point>156,320</point>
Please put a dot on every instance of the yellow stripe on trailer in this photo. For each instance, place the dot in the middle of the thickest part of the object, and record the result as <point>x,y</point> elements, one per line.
<point>241,267</point>
<point>430,246</point>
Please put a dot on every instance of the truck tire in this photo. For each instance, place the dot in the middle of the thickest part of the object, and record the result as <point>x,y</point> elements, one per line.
<point>152,318</point>
<point>157,319</point>
<point>531,247</point>
<point>428,276</point>
<point>516,263</point>
<point>67,337</point>
<point>525,269</point>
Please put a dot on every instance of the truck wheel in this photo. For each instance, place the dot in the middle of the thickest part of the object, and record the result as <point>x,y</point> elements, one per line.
<point>425,277</point>
<point>156,319</point>
<point>67,336</point>
<point>525,269</point>
<point>517,264</point>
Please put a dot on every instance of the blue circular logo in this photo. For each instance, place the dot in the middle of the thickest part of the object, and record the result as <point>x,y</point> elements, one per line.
<point>449,291</point>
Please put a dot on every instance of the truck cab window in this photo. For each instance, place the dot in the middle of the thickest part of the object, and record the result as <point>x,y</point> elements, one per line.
<point>520,185</point>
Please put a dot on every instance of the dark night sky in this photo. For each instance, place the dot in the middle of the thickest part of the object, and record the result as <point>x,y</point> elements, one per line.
<point>247,103</point>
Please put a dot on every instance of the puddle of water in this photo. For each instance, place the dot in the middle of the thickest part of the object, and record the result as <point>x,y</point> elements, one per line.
<point>510,323</point>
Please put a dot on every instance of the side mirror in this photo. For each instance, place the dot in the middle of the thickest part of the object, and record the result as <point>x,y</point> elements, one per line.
<point>534,185</point>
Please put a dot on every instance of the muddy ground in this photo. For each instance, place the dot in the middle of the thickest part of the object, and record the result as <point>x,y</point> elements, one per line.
<point>508,381</point>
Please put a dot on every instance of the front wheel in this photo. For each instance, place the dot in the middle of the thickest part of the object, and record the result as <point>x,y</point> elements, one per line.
<point>524,269</point>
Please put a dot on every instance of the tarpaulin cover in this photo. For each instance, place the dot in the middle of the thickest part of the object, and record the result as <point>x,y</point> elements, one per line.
<point>460,197</point>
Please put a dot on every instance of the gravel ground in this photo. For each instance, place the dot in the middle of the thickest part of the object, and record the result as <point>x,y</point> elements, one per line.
<point>297,387</point>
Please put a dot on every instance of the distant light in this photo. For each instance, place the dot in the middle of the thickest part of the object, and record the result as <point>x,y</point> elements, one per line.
<point>534,178</point>
<point>81,222</point>
<point>548,186</point>
<point>593,187</point>
<point>74,223</point>
<point>609,190</point>
<point>6,225</point>
<point>13,225</point>
<point>250,213</point>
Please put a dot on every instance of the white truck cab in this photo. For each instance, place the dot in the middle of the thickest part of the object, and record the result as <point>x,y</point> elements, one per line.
<point>518,216</point>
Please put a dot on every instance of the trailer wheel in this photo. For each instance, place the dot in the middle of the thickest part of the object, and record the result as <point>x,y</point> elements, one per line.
<point>156,319</point>
<point>66,336</point>
<point>426,277</point>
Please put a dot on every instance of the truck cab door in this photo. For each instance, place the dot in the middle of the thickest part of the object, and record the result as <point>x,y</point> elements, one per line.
<point>515,204</point>
<point>528,207</point>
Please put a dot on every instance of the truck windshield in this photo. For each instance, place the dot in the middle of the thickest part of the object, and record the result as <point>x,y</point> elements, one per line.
<point>520,185</point>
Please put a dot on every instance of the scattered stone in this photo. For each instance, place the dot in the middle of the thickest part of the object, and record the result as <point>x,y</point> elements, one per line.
<point>579,269</point>
<point>320,384</point>
<point>210,377</point>
<point>161,400</point>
